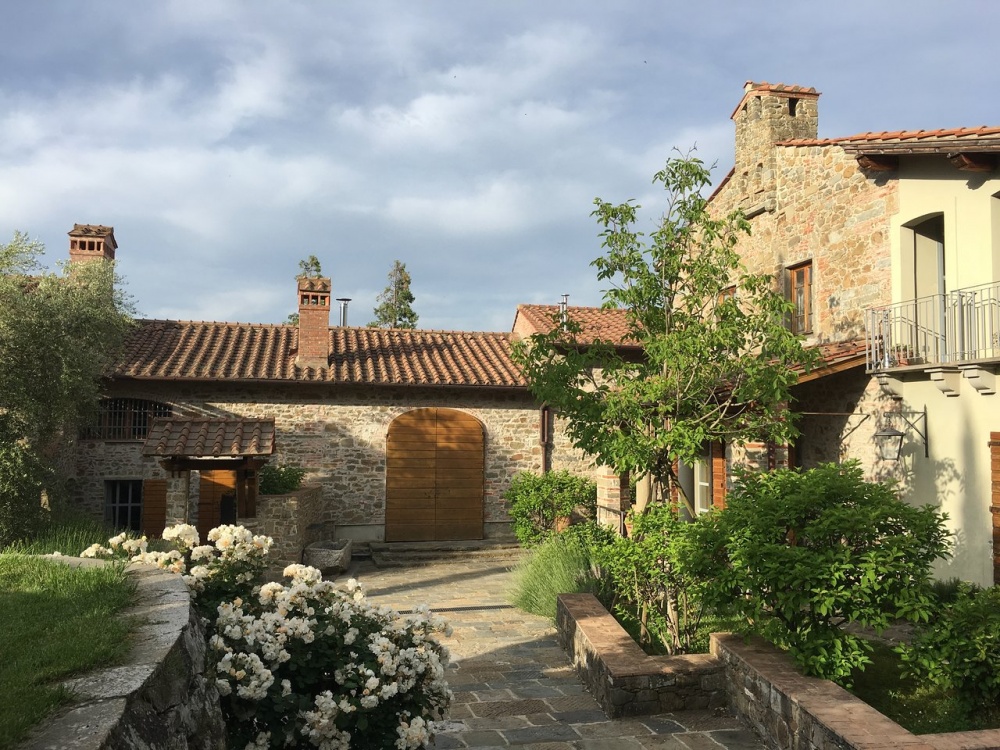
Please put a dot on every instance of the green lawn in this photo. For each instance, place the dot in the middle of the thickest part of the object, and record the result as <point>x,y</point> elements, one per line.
<point>56,621</point>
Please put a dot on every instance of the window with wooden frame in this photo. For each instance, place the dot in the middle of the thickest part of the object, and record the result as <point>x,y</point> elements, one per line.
<point>126,418</point>
<point>798,283</point>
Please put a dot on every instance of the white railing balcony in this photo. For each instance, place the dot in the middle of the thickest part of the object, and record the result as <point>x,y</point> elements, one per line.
<point>944,329</point>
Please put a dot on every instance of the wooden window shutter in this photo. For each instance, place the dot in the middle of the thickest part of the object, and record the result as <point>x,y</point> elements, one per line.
<point>154,507</point>
<point>719,478</point>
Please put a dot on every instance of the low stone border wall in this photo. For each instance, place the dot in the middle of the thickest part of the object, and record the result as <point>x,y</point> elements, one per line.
<point>291,520</point>
<point>806,713</point>
<point>623,679</point>
<point>159,698</point>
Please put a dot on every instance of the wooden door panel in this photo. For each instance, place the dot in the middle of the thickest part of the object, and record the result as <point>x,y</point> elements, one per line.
<point>154,507</point>
<point>434,476</point>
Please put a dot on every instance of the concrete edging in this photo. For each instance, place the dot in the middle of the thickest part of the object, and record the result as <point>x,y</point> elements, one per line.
<point>159,698</point>
<point>623,679</point>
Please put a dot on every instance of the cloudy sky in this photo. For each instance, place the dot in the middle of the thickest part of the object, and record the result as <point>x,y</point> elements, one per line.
<point>225,140</point>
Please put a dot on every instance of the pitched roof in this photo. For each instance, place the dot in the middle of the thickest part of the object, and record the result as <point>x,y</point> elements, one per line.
<point>911,140</point>
<point>595,322</point>
<point>836,357</point>
<point>203,437</point>
<point>204,351</point>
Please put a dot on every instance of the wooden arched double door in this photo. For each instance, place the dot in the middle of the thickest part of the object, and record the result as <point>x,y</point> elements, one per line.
<point>434,483</point>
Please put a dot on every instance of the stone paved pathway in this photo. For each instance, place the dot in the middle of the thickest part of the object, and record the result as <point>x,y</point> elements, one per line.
<point>513,684</point>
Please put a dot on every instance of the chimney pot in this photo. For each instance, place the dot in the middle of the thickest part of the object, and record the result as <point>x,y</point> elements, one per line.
<point>91,242</point>
<point>343,310</point>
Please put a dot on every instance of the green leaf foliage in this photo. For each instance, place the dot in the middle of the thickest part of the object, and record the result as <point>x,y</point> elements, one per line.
<point>395,303</point>
<point>798,554</point>
<point>536,500</point>
<point>959,649</point>
<point>716,361</point>
<point>651,581</point>
<point>59,334</point>
<point>279,480</point>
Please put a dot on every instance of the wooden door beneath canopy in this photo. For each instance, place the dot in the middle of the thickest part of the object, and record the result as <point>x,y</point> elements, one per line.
<point>435,462</point>
<point>214,486</point>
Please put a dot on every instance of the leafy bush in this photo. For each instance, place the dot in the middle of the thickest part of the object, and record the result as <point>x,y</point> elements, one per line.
<point>536,500</point>
<point>797,554</point>
<point>652,583</point>
<point>279,480</point>
<point>960,648</point>
<point>304,664</point>
<point>562,564</point>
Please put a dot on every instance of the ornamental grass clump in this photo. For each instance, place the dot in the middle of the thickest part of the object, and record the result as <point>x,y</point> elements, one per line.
<point>303,664</point>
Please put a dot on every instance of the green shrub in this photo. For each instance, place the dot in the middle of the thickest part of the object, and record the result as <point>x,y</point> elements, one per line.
<point>797,554</point>
<point>562,564</point>
<point>960,648</point>
<point>536,500</point>
<point>651,582</point>
<point>279,480</point>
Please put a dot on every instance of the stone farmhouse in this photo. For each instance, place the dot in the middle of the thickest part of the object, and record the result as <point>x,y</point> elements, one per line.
<point>888,244</point>
<point>405,435</point>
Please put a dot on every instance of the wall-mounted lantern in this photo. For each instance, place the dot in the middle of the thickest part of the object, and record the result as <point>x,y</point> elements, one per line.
<point>890,440</point>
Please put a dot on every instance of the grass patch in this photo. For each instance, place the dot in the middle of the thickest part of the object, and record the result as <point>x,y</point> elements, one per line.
<point>70,536</point>
<point>56,621</point>
<point>560,565</point>
<point>919,708</point>
<point>710,623</point>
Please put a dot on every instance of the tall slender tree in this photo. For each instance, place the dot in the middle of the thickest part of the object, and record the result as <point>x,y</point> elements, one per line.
<point>59,334</point>
<point>394,309</point>
<point>718,358</point>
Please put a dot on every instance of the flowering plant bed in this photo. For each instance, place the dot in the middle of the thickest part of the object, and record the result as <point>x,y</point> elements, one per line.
<point>305,663</point>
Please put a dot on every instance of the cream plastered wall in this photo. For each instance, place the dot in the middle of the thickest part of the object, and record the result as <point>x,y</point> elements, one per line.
<point>929,185</point>
<point>956,476</point>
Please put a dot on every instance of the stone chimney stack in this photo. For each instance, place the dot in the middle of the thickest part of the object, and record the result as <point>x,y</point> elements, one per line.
<point>314,322</point>
<point>91,242</point>
<point>769,113</point>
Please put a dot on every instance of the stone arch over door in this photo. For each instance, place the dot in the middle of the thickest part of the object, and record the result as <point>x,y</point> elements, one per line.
<point>434,476</point>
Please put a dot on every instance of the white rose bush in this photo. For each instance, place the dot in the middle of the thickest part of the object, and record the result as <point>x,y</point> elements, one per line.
<point>303,664</point>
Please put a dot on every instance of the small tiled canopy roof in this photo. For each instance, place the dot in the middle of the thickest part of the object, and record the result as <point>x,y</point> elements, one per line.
<point>835,357</point>
<point>595,322</point>
<point>184,350</point>
<point>205,437</point>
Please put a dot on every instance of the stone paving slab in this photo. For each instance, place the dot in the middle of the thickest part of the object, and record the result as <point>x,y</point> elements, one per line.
<point>513,684</point>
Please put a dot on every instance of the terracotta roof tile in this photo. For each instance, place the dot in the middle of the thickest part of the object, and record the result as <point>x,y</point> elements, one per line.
<point>192,350</point>
<point>835,357</point>
<point>203,437</point>
<point>596,322</point>
<point>952,136</point>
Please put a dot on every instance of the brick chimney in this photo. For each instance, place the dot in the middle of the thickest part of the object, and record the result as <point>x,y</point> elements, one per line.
<point>91,242</point>
<point>769,113</point>
<point>314,322</point>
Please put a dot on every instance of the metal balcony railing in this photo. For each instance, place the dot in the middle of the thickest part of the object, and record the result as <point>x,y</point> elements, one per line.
<point>960,326</point>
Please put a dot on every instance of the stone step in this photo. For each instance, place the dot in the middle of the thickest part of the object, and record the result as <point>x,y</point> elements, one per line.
<point>399,554</point>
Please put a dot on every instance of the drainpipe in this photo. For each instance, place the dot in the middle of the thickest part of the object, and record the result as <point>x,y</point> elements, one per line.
<point>545,436</point>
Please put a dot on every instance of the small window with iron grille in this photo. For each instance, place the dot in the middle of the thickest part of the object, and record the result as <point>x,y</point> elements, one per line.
<point>126,418</point>
<point>799,286</point>
<point>123,503</point>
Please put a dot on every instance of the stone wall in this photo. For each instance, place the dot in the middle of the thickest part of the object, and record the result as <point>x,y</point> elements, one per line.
<point>623,679</point>
<point>291,520</point>
<point>794,712</point>
<point>339,436</point>
<point>160,697</point>
<point>827,211</point>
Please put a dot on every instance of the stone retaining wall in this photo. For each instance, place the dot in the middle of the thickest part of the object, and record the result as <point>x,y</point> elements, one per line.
<point>291,520</point>
<point>805,713</point>
<point>159,699</point>
<point>623,679</point>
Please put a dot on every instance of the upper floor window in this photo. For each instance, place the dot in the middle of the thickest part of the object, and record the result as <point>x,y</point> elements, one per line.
<point>126,418</point>
<point>799,286</point>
